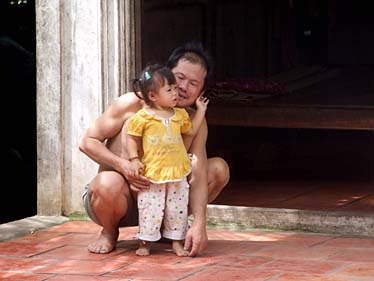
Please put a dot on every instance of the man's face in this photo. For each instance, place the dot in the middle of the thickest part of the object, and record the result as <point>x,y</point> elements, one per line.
<point>190,81</point>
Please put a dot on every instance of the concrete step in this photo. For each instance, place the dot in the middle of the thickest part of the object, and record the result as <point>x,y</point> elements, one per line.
<point>343,223</point>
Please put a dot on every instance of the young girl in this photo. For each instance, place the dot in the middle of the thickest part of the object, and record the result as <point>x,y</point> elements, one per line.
<point>156,131</point>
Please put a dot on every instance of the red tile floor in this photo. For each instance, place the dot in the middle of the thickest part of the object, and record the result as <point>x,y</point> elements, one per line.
<point>59,252</point>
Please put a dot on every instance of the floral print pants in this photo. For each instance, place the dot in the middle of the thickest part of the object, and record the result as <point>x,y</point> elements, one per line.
<point>163,204</point>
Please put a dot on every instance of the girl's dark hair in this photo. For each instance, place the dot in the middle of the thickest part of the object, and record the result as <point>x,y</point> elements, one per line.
<point>193,52</point>
<point>152,78</point>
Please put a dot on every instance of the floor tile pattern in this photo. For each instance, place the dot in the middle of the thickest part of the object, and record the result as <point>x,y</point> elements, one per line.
<point>59,253</point>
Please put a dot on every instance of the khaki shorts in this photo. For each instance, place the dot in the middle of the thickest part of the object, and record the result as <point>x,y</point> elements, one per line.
<point>131,218</point>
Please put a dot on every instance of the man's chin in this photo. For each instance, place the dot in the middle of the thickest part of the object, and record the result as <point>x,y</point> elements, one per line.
<point>182,104</point>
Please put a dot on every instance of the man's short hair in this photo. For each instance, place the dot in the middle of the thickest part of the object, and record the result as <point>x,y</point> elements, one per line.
<point>195,53</point>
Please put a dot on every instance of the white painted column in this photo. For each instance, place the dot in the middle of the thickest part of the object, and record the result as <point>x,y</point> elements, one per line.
<point>49,127</point>
<point>81,87</point>
<point>85,59</point>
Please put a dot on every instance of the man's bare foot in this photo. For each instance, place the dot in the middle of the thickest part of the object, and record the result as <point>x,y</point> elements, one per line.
<point>105,243</point>
<point>178,248</point>
<point>144,249</point>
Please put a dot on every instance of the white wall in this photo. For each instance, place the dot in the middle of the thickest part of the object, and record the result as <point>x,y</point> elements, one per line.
<point>49,136</point>
<point>81,93</point>
<point>85,57</point>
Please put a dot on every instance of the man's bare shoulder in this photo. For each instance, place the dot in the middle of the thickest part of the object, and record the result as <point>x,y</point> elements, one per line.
<point>128,102</point>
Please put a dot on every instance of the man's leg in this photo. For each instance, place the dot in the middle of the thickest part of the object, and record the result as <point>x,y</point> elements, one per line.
<point>110,200</point>
<point>218,177</point>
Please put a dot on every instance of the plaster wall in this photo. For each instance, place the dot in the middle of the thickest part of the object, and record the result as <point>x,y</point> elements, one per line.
<point>49,160</point>
<point>81,99</point>
<point>84,61</point>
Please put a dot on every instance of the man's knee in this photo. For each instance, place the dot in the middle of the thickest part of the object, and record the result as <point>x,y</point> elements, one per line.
<point>109,186</point>
<point>110,200</point>
<point>219,170</point>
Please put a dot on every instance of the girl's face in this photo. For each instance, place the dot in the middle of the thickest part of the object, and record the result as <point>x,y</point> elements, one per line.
<point>166,96</point>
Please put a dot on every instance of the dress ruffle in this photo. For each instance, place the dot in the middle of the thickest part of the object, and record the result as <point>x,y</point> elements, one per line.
<point>160,174</point>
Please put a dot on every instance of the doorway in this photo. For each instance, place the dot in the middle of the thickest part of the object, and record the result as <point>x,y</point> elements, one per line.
<point>301,169</point>
<point>18,81</point>
<point>295,118</point>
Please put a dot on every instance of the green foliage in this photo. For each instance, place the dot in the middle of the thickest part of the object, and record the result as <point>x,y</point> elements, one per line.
<point>78,216</point>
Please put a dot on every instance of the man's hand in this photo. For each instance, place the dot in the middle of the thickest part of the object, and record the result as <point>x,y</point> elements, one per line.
<point>196,240</point>
<point>137,181</point>
<point>138,184</point>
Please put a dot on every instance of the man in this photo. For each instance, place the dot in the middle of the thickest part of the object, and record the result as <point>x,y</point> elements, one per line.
<point>110,198</point>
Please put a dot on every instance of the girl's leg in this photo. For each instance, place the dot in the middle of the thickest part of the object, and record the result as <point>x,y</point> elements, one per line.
<point>175,220</point>
<point>151,210</point>
<point>144,248</point>
<point>178,248</point>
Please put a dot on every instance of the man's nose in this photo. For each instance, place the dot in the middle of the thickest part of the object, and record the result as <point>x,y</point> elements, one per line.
<point>183,84</point>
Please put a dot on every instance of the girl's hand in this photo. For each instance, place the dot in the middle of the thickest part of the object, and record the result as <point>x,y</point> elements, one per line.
<point>136,168</point>
<point>202,103</point>
<point>137,182</point>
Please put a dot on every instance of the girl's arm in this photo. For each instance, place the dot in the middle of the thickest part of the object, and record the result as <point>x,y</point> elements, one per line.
<point>199,116</point>
<point>133,144</point>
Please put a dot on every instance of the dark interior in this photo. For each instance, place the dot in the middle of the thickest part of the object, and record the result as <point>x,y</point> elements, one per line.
<point>18,84</point>
<point>315,137</point>
<point>320,51</point>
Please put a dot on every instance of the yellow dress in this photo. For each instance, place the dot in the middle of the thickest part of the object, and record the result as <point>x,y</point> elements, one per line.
<point>165,156</point>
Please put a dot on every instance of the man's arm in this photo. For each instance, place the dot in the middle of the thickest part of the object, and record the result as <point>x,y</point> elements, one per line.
<point>197,238</point>
<point>107,126</point>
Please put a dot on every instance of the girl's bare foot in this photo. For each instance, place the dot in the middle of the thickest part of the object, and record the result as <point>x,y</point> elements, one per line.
<point>178,248</point>
<point>105,243</point>
<point>144,249</point>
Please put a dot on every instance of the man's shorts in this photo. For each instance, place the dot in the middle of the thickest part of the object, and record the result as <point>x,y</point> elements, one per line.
<point>131,218</point>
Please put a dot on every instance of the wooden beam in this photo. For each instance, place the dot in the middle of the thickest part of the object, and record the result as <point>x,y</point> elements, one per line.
<point>356,118</point>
